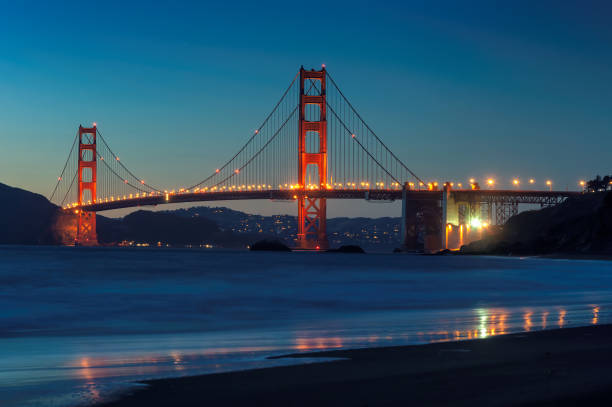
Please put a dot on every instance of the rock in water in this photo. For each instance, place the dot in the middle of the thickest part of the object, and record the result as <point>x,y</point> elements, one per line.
<point>269,245</point>
<point>350,248</point>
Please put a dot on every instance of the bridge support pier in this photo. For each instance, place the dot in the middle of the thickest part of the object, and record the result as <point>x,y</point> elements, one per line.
<point>432,219</point>
<point>86,229</point>
<point>429,222</point>
<point>410,228</point>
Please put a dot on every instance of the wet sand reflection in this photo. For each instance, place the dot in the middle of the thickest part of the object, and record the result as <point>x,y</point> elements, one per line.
<point>561,318</point>
<point>90,383</point>
<point>485,322</point>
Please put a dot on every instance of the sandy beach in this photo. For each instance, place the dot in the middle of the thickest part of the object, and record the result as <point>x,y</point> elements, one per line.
<point>554,367</point>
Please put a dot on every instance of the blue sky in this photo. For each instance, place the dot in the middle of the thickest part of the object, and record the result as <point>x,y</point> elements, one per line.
<point>457,89</point>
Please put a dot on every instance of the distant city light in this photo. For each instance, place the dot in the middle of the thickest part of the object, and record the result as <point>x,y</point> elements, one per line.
<point>532,181</point>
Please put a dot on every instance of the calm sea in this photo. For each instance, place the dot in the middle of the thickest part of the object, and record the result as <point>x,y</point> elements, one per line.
<point>79,325</point>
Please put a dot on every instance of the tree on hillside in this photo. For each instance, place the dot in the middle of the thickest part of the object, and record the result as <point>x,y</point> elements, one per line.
<point>599,184</point>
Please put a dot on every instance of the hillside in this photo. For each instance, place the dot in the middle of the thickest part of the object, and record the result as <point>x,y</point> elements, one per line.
<point>579,225</point>
<point>26,217</point>
<point>30,219</point>
<point>169,228</point>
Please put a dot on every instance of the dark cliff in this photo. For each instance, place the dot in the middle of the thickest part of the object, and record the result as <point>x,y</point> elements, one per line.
<point>26,217</point>
<point>579,225</point>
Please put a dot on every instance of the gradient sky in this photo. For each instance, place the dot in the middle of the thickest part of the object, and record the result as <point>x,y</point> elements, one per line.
<point>456,89</point>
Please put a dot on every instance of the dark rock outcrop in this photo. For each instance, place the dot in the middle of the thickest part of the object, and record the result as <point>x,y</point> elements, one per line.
<point>579,225</point>
<point>349,248</point>
<point>270,245</point>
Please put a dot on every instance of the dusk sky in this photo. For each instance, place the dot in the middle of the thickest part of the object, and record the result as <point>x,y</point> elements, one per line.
<point>456,89</point>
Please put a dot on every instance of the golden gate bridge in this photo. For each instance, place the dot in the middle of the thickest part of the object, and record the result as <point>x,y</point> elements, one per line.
<point>313,146</point>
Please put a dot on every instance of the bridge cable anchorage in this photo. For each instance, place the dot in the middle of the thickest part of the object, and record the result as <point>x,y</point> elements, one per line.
<point>61,177</point>
<point>250,139</point>
<point>124,167</point>
<point>370,129</point>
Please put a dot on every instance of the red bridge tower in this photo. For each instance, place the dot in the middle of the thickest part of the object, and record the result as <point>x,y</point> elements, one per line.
<point>87,174</point>
<point>312,213</point>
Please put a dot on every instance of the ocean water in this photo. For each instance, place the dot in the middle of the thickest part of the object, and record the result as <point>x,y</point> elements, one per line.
<point>80,325</point>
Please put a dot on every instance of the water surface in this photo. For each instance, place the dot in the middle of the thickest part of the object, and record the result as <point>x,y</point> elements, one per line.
<point>78,324</point>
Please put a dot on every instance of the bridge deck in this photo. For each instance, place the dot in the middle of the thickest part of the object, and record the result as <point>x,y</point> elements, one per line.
<point>371,194</point>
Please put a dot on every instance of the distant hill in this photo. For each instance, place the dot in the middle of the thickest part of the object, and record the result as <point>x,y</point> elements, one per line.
<point>579,225</point>
<point>168,228</point>
<point>26,217</point>
<point>374,234</point>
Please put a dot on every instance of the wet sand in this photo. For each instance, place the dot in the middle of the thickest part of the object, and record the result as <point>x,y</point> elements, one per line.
<point>560,367</point>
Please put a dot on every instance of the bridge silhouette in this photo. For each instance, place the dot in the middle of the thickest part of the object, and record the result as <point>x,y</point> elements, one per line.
<point>312,147</point>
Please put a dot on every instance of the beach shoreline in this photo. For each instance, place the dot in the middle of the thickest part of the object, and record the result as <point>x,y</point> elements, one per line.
<point>552,367</point>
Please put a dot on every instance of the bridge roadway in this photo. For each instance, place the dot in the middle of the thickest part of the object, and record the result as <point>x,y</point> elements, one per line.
<point>501,196</point>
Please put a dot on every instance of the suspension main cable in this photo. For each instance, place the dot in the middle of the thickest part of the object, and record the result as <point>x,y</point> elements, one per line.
<point>140,180</point>
<point>251,138</point>
<point>61,177</point>
<point>238,170</point>
<point>69,189</point>
<point>370,129</point>
<point>361,145</point>
<point>120,177</point>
